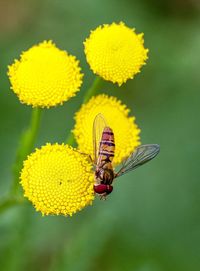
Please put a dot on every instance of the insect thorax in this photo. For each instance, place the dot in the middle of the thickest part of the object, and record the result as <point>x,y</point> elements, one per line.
<point>105,175</point>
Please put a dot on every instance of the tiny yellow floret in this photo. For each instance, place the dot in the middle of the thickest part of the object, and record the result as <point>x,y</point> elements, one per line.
<point>58,180</point>
<point>126,132</point>
<point>45,76</point>
<point>115,52</point>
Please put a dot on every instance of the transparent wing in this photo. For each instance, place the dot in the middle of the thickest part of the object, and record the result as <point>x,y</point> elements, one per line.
<point>140,156</point>
<point>98,126</point>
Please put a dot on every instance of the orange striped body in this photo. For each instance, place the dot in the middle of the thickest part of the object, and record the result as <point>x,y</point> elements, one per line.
<point>104,170</point>
<point>106,148</point>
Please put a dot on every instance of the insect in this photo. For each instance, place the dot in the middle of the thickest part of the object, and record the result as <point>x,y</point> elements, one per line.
<point>104,151</point>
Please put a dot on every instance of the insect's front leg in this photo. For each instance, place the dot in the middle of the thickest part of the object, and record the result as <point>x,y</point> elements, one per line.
<point>103,196</point>
<point>88,156</point>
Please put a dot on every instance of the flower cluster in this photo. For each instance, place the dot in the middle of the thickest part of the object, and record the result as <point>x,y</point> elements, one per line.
<point>46,76</point>
<point>58,179</point>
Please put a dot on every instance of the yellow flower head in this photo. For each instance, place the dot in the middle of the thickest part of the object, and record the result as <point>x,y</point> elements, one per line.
<point>45,76</point>
<point>58,180</point>
<point>115,52</point>
<point>125,130</point>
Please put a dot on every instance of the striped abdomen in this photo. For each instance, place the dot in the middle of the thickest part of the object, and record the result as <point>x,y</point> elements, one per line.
<point>106,147</point>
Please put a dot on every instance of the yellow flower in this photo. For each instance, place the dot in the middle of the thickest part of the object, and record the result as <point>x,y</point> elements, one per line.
<point>58,180</point>
<point>115,52</point>
<point>45,76</point>
<point>125,130</point>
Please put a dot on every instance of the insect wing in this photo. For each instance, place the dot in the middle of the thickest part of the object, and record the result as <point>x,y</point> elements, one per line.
<point>98,127</point>
<point>140,156</point>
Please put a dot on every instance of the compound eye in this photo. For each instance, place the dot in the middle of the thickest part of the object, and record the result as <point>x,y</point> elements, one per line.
<point>100,189</point>
<point>109,189</point>
<point>103,188</point>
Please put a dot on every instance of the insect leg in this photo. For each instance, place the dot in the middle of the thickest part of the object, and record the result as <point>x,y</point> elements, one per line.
<point>88,156</point>
<point>103,196</point>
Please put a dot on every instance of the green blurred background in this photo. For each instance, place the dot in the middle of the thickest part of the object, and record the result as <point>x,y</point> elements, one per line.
<point>151,222</point>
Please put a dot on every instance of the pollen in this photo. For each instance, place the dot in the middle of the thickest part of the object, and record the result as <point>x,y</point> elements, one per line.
<point>116,114</point>
<point>45,76</point>
<point>115,52</point>
<point>58,180</point>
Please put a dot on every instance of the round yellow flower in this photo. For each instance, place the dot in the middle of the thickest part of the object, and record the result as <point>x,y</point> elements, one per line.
<point>125,130</point>
<point>58,180</point>
<point>45,76</point>
<point>115,52</point>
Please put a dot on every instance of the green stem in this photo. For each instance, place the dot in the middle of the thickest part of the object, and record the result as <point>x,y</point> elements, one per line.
<point>89,93</point>
<point>26,146</point>
<point>93,89</point>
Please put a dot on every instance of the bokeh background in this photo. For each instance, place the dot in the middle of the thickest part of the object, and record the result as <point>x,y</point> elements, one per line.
<point>151,222</point>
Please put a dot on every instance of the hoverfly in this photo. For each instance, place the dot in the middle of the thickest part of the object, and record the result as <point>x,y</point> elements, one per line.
<point>104,151</point>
